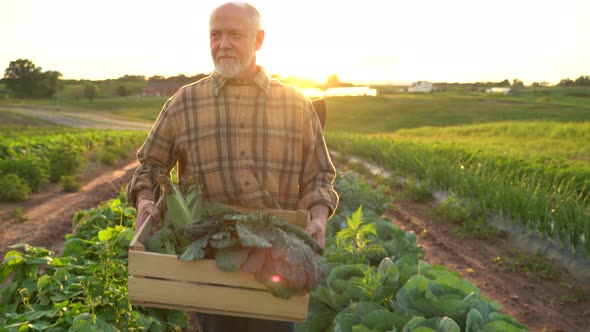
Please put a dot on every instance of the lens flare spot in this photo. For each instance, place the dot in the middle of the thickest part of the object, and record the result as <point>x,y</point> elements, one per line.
<point>276,278</point>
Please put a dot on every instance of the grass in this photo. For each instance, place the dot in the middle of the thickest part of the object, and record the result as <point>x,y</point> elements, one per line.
<point>545,198</point>
<point>415,192</point>
<point>543,141</point>
<point>390,113</point>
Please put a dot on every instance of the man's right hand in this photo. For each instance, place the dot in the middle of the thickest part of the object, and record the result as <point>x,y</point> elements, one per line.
<point>145,208</point>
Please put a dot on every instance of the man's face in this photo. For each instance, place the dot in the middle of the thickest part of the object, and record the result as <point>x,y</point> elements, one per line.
<point>233,42</point>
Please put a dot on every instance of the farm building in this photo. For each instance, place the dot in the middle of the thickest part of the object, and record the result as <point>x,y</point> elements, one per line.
<point>505,91</point>
<point>350,91</point>
<point>161,88</point>
<point>421,87</point>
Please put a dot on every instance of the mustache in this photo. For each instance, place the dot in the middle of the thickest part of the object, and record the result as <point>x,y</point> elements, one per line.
<point>223,53</point>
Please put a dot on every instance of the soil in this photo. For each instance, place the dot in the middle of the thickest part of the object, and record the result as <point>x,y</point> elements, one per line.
<point>539,304</point>
<point>49,213</point>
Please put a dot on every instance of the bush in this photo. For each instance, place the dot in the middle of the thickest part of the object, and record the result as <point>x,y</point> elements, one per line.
<point>69,183</point>
<point>32,170</point>
<point>14,188</point>
<point>64,161</point>
<point>108,158</point>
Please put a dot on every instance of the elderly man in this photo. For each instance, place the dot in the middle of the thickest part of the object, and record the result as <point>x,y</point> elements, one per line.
<point>249,140</point>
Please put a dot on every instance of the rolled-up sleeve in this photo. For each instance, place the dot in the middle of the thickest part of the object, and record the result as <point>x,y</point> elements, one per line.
<point>318,173</point>
<point>156,156</point>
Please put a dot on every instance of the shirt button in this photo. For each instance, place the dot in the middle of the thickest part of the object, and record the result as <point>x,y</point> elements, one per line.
<point>241,125</point>
<point>243,153</point>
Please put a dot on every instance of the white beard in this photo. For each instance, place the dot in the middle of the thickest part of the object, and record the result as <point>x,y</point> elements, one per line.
<point>230,68</point>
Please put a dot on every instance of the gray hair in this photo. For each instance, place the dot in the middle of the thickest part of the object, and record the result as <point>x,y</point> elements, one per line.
<point>253,14</point>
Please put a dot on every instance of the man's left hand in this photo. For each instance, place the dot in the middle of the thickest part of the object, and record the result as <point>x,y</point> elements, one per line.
<point>318,223</point>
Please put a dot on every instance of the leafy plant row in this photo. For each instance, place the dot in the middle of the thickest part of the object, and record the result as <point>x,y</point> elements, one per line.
<point>30,158</point>
<point>551,200</point>
<point>378,281</point>
<point>85,288</point>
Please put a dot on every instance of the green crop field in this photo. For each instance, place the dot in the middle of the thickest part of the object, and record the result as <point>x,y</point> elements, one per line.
<point>525,157</point>
<point>536,140</point>
<point>389,113</point>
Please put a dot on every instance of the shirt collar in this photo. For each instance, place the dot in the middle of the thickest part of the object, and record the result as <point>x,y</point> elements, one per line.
<point>260,79</point>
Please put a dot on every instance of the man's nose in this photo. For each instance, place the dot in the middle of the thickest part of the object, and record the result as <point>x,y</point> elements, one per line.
<point>224,42</point>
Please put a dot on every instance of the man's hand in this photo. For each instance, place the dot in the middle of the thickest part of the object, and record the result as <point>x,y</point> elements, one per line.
<point>145,208</point>
<point>318,223</point>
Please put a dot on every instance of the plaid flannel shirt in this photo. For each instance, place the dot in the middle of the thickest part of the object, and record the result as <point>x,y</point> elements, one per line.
<point>254,143</point>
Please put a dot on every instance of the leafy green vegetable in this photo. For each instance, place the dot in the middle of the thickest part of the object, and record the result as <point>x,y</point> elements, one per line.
<point>447,295</point>
<point>365,316</point>
<point>281,256</point>
<point>436,324</point>
<point>83,290</point>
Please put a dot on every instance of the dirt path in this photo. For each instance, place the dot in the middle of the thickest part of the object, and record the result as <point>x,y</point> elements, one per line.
<point>50,213</point>
<point>540,305</point>
<point>80,119</point>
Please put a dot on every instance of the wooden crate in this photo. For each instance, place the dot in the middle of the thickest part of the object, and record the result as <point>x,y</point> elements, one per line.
<point>164,281</point>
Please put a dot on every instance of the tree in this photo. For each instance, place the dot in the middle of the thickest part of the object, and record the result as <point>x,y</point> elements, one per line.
<point>26,80</point>
<point>22,77</point>
<point>540,84</point>
<point>516,83</point>
<point>566,82</point>
<point>48,85</point>
<point>131,78</point>
<point>122,91</point>
<point>332,81</point>
<point>90,91</point>
<point>583,81</point>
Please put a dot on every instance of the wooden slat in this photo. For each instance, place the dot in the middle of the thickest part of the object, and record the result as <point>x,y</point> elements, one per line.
<point>216,299</point>
<point>164,266</point>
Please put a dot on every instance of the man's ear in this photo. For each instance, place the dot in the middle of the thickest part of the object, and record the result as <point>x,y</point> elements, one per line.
<point>259,39</point>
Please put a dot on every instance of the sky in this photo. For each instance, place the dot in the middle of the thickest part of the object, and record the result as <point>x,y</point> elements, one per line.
<point>363,42</point>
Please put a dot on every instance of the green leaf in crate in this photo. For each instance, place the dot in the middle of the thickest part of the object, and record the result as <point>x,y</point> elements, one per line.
<point>249,237</point>
<point>230,259</point>
<point>195,250</point>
